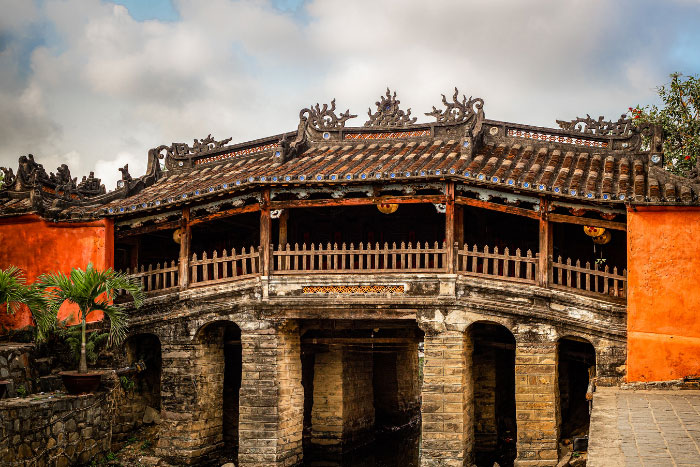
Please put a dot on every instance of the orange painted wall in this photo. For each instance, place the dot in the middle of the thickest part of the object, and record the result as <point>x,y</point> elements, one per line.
<point>663,304</point>
<point>37,246</point>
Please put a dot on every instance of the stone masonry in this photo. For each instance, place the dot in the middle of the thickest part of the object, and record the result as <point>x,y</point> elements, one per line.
<point>271,398</point>
<point>536,401</point>
<point>343,411</point>
<point>192,408</point>
<point>447,410</point>
<point>396,388</point>
<point>55,430</point>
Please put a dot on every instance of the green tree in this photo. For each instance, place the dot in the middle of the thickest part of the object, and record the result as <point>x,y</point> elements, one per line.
<point>14,293</point>
<point>91,290</point>
<point>680,119</point>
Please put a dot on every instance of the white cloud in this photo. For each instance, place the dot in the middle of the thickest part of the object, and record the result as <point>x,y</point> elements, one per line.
<point>82,80</point>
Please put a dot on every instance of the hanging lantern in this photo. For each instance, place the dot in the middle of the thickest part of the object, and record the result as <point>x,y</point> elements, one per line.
<point>177,235</point>
<point>387,208</point>
<point>602,239</point>
<point>593,231</point>
<point>578,212</point>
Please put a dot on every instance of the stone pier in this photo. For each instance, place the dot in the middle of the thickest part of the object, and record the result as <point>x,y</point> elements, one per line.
<point>343,410</point>
<point>271,398</point>
<point>191,403</point>
<point>536,400</point>
<point>448,400</point>
<point>396,388</point>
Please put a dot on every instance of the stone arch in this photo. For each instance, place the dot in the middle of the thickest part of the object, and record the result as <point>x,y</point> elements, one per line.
<point>493,389</point>
<point>140,398</point>
<point>218,363</point>
<point>576,365</point>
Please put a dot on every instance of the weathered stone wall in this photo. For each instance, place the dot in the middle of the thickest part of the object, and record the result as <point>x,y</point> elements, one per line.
<point>484,371</point>
<point>272,397</point>
<point>16,366</point>
<point>343,407</point>
<point>536,401</point>
<point>448,407</point>
<point>191,404</point>
<point>135,401</point>
<point>55,430</point>
<point>358,397</point>
<point>396,386</point>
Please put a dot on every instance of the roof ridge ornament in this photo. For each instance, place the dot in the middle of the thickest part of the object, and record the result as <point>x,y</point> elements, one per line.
<point>600,127</point>
<point>456,111</point>
<point>325,118</point>
<point>388,113</point>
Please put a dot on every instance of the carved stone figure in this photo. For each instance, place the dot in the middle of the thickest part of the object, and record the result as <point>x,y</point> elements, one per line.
<point>456,111</point>
<point>126,176</point>
<point>624,126</point>
<point>325,118</point>
<point>389,114</point>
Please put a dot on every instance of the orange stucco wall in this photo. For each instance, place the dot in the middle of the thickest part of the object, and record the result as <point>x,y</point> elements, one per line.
<point>663,304</point>
<point>37,246</point>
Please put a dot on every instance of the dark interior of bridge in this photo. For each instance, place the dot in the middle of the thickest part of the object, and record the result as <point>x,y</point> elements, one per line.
<point>576,359</point>
<point>493,373</point>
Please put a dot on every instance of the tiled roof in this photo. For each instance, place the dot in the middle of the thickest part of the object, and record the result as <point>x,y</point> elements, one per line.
<point>587,160</point>
<point>570,167</point>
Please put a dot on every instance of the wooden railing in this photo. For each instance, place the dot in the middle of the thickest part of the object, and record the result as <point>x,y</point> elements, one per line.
<point>589,279</point>
<point>363,258</point>
<point>505,266</point>
<point>224,268</point>
<point>158,278</point>
<point>366,258</point>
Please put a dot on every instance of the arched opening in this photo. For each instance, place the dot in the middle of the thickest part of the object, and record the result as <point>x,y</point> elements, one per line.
<point>219,362</point>
<point>361,392</point>
<point>576,367</point>
<point>140,401</point>
<point>493,378</point>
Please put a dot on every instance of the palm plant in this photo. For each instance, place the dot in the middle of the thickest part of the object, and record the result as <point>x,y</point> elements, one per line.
<point>14,292</point>
<point>91,290</point>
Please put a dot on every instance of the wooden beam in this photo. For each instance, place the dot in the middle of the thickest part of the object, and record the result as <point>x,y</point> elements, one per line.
<point>185,240</point>
<point>361,340</point>
<point>477,203</point>
<point>562,218</point>
<point>546,245</point>
<point>320,203</point>
<point>130,232</point>
<point>450,226</point>
<point>226,213</point>
<point>459,225</point>
<point>284,215</point>
<point>265,231</point>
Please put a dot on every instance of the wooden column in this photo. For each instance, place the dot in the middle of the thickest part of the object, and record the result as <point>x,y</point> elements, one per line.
<point>185,239</point>
<point>265,232</point>
<point>459,225</point>
<point>545,259</point>
<point>283,227</point>
<point>450,225</point>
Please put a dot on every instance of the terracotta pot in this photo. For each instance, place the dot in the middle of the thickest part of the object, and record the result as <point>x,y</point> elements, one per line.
<point>81,383</point>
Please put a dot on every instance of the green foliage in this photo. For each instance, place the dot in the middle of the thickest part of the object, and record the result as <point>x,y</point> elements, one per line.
<point>94,342</point>
<point>145,445</point>
<point>91,290</point>
<point>680,119</point>
<point>21,391</point>
<point>127,383</point>
<point>14,292</point>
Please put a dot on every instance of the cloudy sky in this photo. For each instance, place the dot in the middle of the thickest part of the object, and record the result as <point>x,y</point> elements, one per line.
<point>96,83</point>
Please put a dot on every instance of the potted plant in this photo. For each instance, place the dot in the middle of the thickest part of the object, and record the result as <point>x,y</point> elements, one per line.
<point>91,290</point>
<point>14,292</point>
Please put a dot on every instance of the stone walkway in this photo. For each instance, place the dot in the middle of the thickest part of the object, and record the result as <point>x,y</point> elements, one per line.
<point>652,428</point>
